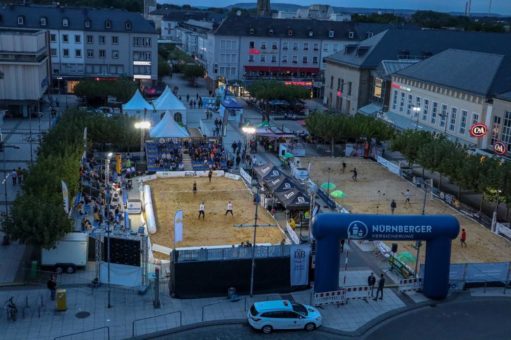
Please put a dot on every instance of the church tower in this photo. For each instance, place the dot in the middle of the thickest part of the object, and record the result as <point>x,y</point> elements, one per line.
<point>263,8</point>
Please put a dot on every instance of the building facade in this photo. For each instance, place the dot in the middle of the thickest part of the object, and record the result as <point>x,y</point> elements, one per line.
<point>501,120</point>
<point>91,43</point>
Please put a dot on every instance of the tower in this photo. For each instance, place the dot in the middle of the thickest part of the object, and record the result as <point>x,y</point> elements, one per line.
<point>263,8</point>
<point>149,6</point>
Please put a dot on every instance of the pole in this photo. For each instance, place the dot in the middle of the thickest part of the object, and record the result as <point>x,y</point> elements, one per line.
<point>141,144</point>
<point>328,183</point>
<point>418,244</point>
<point>30,136</point>
<point>108,259</point>
<point>256,199</point>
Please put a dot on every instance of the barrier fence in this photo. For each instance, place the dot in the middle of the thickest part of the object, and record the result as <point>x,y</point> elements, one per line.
<point>215,254</point>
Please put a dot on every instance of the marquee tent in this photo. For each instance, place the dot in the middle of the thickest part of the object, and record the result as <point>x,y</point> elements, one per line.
<point>167,102</point>
<point>168,128</point>
<point>137,106</point>
<point>267,171</point>
<point>281,183</point>
<point>294,199</point>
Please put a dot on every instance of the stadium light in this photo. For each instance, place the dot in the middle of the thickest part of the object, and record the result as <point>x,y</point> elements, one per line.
<point>248,129</point>
<point>142,125</point>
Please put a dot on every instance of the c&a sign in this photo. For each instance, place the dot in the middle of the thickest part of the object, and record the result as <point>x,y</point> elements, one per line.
<point>478,130</point>
<point>500,148</point>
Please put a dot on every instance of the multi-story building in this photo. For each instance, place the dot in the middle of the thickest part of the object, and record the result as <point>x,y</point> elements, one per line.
<point>24,65</point>
<point>99,43</point>
<point>450,92</point>
<point>171,21</point>
<point>248,48</point>
<point>501,124</point>
<point>354,66</point>
<point>193,36</point>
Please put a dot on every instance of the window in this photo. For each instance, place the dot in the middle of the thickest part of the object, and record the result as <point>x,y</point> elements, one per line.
<point>495,130</point>
<point>284,59</point>
<point>87,23</point>
<point>443,115</point>
<point>434,111</point>
<point>402,102</point>
<point>409,107</point>
<point>53,37</point>
<point>101,39</point>
<point>141,41</point>
<point>108,24</point>
<point>78,38</point>
<point>506,129</point>
<point>314,60</point>
<point>102,53</point>
<point>250,58</point>
<point>425,110</point>
<point>295,59</point>
<point>475,118</point>
<point>262,59</point>
<point>274,45</point>
<point>65,22</point>
<point>284,45</point>
<point>351,35</point>
<point>127,25</point>
<point>295,46</point>
<point>331,34</point>
<point>90,53</point>
<point>65,38</point>
<point>331,82</point>
<point>90,39</point>
<point>21,20</point>
<point>43,21</point>
<point>115,40</point>
<point>325,47</point>
<point>78,53</point>
<point>339,84</point>
<point>394,100</point>
<point>304,60</point>
<point>311,33</point>
<point>65,53</point>
<point>53,52</point>
<point>273,58</point>
<point>251,44</point>
<point>305,46</point>
<point>316,47</point>
<point>115,54</point>
<point>290,33</point>
<point>452,123</point>
<point>463,124</point>
<point>263,45</point>
<point>349,88</point>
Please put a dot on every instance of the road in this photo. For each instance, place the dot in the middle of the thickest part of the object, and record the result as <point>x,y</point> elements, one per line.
<point>467,320</point>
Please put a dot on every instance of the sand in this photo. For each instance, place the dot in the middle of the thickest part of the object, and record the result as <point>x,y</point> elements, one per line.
<point>173,194</point>
<point>363,197</point>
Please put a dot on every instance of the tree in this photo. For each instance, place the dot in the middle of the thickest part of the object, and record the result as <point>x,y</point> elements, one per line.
<point>163,67</point>
<point>122,89</point>
<point>193,71</point>
<point>409,143</point>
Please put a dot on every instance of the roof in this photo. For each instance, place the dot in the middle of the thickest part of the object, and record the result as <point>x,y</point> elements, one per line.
<point>505,96</point>
<point>267,170</point>
<point>392,66</point>
<point>76,17</point>
<point>168,128</point>
<point>266,306</point>
<point>136,103</point>
<point>474,72</point>
<point>299,28</point>
<point>293,199</point>
<point>177,15</point>
<point>168,101</point>
<point>394,44</point>
<point>281,183</point>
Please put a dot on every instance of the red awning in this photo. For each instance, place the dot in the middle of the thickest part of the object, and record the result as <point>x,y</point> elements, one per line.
<point>281,69</point>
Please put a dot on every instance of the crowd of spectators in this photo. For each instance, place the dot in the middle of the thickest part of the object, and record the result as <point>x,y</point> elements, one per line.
<point>208,155</point>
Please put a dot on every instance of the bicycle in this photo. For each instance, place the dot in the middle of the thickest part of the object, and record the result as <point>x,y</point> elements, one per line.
<point>11,309</point>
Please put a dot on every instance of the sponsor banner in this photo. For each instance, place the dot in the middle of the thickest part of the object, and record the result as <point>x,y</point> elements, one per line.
<point>503,230</point>
<point>245,176</point>
<point>167,174</point>
<point>394,168</point>
<point>232,176</point>
<point>483,272</point>
<point>178,226</point>
<point>65,196</point>
<point>326,298</point>
<point>299,256</point>
<point>292,234</point>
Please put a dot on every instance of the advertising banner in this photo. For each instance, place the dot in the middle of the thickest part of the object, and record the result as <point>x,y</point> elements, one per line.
<point>299,257</point>
<point>178,226</point>
<point>65,196</point>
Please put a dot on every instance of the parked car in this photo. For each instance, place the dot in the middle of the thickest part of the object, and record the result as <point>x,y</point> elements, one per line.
<point>282,314</point>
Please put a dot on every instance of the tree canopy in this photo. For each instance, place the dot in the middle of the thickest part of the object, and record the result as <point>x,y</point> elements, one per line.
<point>193,71</point>
<point>270,89</point>
<point>122,88</point>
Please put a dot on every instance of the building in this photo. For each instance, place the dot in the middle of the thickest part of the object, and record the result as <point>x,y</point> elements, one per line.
<point>193,36</point>
<point>501,122</point>
<point>248,48</point>
<point>24,65</point>
<point>90,43</point>
<point>350,75</point>
<point>449,92</point>
<point>172,19</point>
<point>317,12</point>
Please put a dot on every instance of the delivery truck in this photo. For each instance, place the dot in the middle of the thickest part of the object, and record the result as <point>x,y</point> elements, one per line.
<point>68,254</point>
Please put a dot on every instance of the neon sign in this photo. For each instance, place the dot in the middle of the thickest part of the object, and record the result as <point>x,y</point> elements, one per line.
<point>254,51</point>
<point>478,130</point>
<point>500,148</point>
<point>298,83</point>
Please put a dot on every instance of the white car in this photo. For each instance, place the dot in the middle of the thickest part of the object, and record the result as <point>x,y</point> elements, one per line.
<point>282,314</point>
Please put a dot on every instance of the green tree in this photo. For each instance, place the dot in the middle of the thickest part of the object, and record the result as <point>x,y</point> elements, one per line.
<point>409,142</point>
<point>193,71</point>
<point>163,67</point>
<point>122,88</point>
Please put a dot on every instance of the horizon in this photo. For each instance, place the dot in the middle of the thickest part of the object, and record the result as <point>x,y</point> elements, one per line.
<point>499,7</point>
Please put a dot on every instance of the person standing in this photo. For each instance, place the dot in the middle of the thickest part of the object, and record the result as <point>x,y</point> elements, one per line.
<point>381,285</point>
<point>355,174</point>
<point>202,209</point>
<point>343,167</point>
<point>13,175</point>
<point>210,174</point>
<point>463,238</point>
<point>407,195</point>
<point>371,281</point>
<point>393,206</point>
<point>19,175</point>
<point>194,189</point>
<point>229,209</point>
<point>52,286</point>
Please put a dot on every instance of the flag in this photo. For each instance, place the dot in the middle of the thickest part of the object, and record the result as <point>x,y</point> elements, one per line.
<point>178,226</point>
<point>65,196</point>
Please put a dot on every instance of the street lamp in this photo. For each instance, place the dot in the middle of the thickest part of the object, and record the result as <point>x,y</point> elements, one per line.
<point>255,190</point>
<point>107,205</point>
<point>142,125</point>
<point>416,110</point>
<point>248,130</point>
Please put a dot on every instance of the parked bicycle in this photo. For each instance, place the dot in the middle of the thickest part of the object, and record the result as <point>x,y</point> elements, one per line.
<point>11,309</point>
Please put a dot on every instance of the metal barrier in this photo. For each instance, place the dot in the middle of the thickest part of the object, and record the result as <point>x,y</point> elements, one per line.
<point>215,254</point>
<point>156,316</point>
<point>90,330</point>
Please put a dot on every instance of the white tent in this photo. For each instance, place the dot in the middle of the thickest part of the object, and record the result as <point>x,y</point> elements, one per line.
<point>168,102</point>
<point>136,105</point>
<point>168,128</point>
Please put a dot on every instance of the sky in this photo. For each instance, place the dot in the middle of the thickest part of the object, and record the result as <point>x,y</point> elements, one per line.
<point>481,6</point>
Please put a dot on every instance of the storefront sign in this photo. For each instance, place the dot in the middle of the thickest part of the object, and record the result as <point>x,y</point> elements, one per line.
<point>401,87</point>
<point>478,130</point>
<point>500,148</point>
<point>254,51</point>
<point>298,83</point>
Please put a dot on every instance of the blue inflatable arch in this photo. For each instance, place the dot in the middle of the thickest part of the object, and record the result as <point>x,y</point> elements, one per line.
<point>437,230</point>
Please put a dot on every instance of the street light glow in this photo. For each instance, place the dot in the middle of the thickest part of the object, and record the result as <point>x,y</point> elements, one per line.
<point>109,155</point>
<point>249,130</point>
<point>144,125</point>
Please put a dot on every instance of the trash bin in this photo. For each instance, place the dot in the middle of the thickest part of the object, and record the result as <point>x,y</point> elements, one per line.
<point>61,303</point>
<point>33,270</point>
<point>231,292</point>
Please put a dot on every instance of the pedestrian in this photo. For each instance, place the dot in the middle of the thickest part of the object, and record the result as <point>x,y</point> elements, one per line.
<point>343,167</point>
<point>52,286</point>
<point>13,175</point>
<point>381,285</point>
<point>393,206</point>
<point>229,208</point>
<point>342,245</point>
<point>238,160</point>
<point>19,175</point>
<point>463,238</point>
<point>407,195</point>
<point>210,174</point>
<point>188,97</point>
<point>197,96</point>
<point>234,146</point>
<point>355,174</point>
<point>202,209</point>
<point>371,281</point>
<point>194,189</point>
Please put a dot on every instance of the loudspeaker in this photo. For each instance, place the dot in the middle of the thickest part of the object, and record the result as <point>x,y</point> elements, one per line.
<point>394,247</point>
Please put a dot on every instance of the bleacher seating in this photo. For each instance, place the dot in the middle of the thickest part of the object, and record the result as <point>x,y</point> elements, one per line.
<point>164,156</point>
<point>208,155</point>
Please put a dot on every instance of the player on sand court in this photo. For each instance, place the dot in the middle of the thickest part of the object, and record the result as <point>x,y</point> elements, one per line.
<point>407,194</point>
<point>229,208</point>
<point>202,209</point>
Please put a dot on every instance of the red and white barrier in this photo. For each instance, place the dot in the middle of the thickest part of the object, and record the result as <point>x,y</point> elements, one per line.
<point>326,298</point>
<point>408,285</point>
<point>357,292</point>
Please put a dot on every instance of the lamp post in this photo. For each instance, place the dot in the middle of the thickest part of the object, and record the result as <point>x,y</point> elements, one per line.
<point>255,190</point>
<point>248,130</point>
<point>107,175</point>
<point>416,111</point>
<point>328,183</point>
<point>142,125</point>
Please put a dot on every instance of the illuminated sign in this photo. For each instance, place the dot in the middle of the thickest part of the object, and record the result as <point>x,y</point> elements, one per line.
<point>339,93</point>
<point>142,63</point>
<point>500,148</point>
<point>478,130</point>
<point>401,87</point>
<point>254,51</point>
<point>298,83</point>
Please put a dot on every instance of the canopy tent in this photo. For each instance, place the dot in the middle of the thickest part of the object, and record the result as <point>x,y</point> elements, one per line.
<point>166,103</point>
<point>168,128</point>
<point>137,106</point>
<point>293,199</point>
<point>230,109</point>
<point>281,183</point>
<point>267,171</point>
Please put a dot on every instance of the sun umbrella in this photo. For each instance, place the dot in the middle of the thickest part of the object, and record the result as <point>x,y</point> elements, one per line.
<point>337,194</point>
<point>328,186</point>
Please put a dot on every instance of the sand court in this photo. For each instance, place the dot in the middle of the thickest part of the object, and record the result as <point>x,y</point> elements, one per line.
<point>377,187</point>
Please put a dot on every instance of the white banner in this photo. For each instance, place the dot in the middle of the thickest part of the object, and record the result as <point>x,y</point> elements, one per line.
<point>394,168</point>
<point>292,234</point>
<point>121,274</point>
<point>231,176</point>
<point>178,226</point>
<point>245,176</point>
<point>503,230</point>
<point>65,196</point>
<point>299,257</point>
